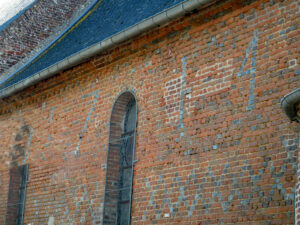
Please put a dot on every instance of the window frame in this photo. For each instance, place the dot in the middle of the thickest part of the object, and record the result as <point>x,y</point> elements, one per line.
<point>130,96</point>
<point>19,217</point>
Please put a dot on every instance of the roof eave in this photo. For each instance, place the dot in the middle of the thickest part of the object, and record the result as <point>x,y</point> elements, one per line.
<point>85,54</point>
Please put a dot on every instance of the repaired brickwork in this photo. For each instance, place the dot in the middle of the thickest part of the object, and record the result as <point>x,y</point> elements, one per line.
<point>213,145</point>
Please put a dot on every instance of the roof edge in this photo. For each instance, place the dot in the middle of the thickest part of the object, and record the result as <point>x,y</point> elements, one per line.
<point>46,43</point>
<point>83,55</point>
<point>288,103</point>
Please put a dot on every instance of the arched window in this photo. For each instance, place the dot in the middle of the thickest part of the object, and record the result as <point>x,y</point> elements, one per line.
<point>120,160</point>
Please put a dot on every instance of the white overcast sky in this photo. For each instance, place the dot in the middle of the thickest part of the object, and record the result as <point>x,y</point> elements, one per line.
<point>9,8</point>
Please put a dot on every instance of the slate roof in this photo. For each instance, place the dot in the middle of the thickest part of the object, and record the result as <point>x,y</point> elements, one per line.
<point>106,18</point>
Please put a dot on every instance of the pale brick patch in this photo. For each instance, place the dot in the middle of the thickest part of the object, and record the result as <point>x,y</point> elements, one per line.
<point>213,78</point>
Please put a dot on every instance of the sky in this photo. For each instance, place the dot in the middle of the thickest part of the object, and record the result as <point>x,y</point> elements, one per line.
<point>9,8</point>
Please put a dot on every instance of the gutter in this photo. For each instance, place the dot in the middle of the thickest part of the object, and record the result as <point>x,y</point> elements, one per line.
<point>91,5</point>
<point>289,103</point>
<point>83,55</point>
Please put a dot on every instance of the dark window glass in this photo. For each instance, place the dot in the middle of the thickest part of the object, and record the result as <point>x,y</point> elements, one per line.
<point>16,195</point>
<point>120,160</point>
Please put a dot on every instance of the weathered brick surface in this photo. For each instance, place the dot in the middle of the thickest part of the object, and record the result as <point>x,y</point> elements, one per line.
<point>213,145</point>
<point>29,33</point>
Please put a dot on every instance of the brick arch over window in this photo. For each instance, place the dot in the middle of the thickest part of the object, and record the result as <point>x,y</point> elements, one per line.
<point>120,161</point>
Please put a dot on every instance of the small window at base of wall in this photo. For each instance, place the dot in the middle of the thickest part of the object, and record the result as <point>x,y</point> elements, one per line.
<point>16,195</point>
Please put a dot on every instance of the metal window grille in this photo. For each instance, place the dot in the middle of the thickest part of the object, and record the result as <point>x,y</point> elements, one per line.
<point>16,195</point>
<point>120,162</point>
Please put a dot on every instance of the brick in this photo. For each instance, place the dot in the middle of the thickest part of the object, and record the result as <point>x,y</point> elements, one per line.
<point>213,145</point>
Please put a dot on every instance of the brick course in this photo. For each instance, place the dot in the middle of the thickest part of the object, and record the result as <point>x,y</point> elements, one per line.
<point>213,145</point>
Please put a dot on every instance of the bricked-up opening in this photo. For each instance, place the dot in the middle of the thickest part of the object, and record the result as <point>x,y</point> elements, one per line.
<point>120,161</point>
<point>16,195</point>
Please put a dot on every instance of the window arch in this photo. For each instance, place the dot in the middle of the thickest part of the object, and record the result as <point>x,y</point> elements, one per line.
<point>120,161</point>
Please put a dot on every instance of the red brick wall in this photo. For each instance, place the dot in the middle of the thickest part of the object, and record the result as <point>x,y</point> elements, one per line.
<point>30,31</point>
<point>213,145</point>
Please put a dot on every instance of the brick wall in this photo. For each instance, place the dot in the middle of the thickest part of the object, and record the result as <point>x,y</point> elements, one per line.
<point>213,145</point>
<point>36,27</point>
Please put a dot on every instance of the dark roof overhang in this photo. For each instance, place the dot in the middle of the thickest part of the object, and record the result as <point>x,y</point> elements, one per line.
<point>15,84</point>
